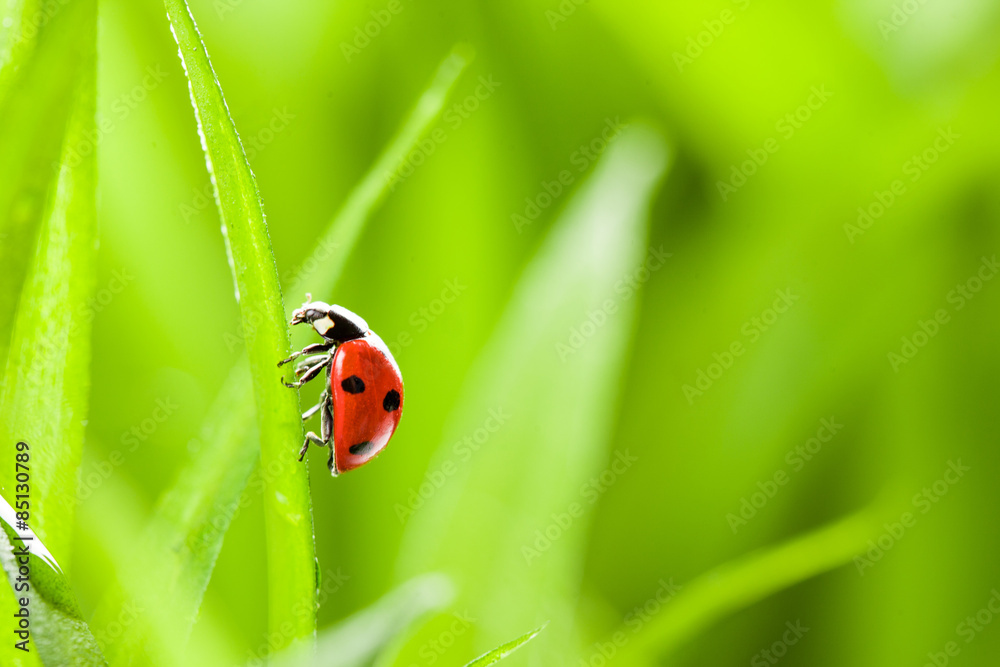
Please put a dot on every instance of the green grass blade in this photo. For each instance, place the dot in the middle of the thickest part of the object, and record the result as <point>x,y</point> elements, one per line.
<point>193,515</point>
<point>502,651</point>
<point>46,382</point>
<point>291,553</point>
<point>740,583</point>
<point>561,426</point>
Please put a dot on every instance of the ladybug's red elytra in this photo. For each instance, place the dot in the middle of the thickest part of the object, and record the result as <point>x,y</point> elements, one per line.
<point>362,403</point>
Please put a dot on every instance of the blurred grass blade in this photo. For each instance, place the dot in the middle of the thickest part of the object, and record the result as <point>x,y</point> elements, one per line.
<point>354,641</point>
<point>560,425</point>
<point>46,382</point>
<point>348,223</point>
<point>291,555</point>
<point>152,627</point>
<point>193,515</point>
<point>502,651</point>
<point>749,579</point>
<point>165,575</point>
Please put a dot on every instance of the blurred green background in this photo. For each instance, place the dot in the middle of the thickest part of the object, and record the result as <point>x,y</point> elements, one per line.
<point>781,121</point>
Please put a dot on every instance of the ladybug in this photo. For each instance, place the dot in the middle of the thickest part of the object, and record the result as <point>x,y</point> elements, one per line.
<point>363,399</point>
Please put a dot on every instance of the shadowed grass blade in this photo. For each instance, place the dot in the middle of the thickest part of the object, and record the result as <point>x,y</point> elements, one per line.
<point>9,654</point>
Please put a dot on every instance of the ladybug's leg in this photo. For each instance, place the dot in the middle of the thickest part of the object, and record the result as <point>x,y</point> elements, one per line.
<point>326,421</point>
<point>308,374</point>
<point>308,349</point>
<point>326,427</point>
<point>309,361</point>
<point>310,437</point>
<point>307,415</point>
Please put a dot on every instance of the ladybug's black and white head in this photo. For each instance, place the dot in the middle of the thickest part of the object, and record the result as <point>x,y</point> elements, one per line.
<point>332,322</point>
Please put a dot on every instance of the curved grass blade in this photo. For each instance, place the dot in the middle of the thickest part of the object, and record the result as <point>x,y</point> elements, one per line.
<point>502,651</point>
<point>193,515</point>
<point>291,554</point>
<point>742,582</point>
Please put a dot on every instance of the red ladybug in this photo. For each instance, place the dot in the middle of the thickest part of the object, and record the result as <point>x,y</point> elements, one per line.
<point>363,400</point>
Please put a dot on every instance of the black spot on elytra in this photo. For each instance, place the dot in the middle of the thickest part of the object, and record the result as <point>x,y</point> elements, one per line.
<point>391,401</point>
<point>361,448</point>
<point>353,385</point>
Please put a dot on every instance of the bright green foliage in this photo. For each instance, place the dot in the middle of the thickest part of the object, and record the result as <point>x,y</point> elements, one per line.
<point>672,482</point>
